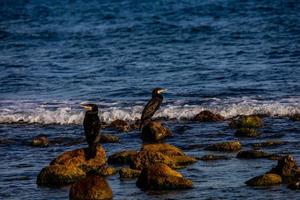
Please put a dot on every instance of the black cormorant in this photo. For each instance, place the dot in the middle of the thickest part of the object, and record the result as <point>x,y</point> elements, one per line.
<point>91,124</point>
<point>152,106</point>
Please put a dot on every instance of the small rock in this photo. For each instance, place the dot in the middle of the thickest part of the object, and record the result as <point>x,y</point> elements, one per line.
<point>135,125</point>
<point>294,185</point>
<point>250,121</point>
<point>59,175</point>
<point>225,146</point>
<point>40,141</point>
<point>154,131</point>
<point>207,116</point>
<point>126,172</point>
<point>161,177</point>
<point>92,187</point>
<point>120,125</point>
<point>108,138</point>
<point>267,144</point>
<point>247,132</point>
<point>78,158</point>
<point>212,157</point>
<point>265,180</point>
<point>163,148</point>
<point>295,117</point>
<point>123,157</point>
<point>103,171</point>
<point>286,167</point>
<point>252,154</point>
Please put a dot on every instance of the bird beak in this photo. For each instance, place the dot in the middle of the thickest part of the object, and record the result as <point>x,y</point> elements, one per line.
<point>86,107</point>
<point>162,90</point>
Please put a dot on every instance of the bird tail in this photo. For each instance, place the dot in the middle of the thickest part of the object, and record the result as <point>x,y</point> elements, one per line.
<point>92,150</point>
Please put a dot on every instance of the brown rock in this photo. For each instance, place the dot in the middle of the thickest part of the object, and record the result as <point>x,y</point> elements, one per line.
<point>286,167</point>
<point>295,117</point>
<point>161,177</point>
<point>105,171</point>
<point>294,185</point>
<point>135,125</point>
<point>163,148</point>
<point>92,187</point>
<point>268,144</point>
<point>265,180</point>
<point>123,157</point>
<point>120,125</point>
<point>126,172</point>
<point>207,116</point>
<point>249,121</point>
<point>154,131</point>
<point>247,132</point>
<point>59,175</point>
<point>252,154</point>
<point>78,158</point>
<point>40,141</point>
<point>225,146</point>
<point>212,157</point>
<point>108,138</point>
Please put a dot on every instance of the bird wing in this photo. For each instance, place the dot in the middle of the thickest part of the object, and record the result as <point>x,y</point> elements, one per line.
<point>151,107</point>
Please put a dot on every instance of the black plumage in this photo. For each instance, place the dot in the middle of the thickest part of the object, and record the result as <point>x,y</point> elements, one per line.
<point>152,106</point>
<point>92,126</point>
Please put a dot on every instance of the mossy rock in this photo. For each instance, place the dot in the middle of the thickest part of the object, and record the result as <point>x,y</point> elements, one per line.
<point>163,148</point>
<point>123,157</point>
<point>119,125</point>
<point>108,138</point>
<point>154,132</point>
<point>161,177</point>
<point>231,146</point>
<point>286,167</point>
<point>40,141</point>
<point>247,132</point>
<point>252,154</point>
<point>268,144</point>
<point>92,187</point>
<point>59,175</point>
<point>207,116</point>
<point>265,180</point>
<point>249,121</point>
<point>128,173</point>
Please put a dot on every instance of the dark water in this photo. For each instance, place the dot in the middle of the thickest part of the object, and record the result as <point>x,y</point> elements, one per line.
<point>231,57</point>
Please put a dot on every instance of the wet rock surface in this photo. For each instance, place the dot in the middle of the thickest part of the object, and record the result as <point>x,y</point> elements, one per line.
<point>123,157</point>
<point>163,148</point>
<point>250,121</point>
<point>225,146</point>
<point>295,117</point>
<point>92,187</point>
<point>40,141</point>
<point>212,157</point>
<point>268,179</point>
<point>253,154</point>
<point>286,167</point>
<point>247,132</point>
<point>161,177</point>
<point>269,143</point>
<point>207,116</point>
<point>154,132</point>
<point>128,173</point>
<point>119,125</point>
<point>108,138</point>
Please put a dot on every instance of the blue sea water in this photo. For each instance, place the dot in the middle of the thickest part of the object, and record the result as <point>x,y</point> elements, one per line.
<point>228,56</point>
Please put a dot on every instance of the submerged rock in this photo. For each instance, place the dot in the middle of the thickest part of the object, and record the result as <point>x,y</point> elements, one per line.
<point>225,146</point>
<point>120,125</point>
<point>40,141</point>
<point>59,175</point>
<point>295,117</point>
<point>252,154</point>
<point>267,144</point>
<point>108,138</point>
<point>294,185</point>
<point>286,167</point>
<point>247,132</point>
<point>92,187</point>
<point>265,180</point>
<point>212,157</point>
<point>78,158</point>
<point>123,157</point>
<point>135,124</point>
<point>161,177</point>
<point>126,172</point>
<point>249,121</point>
<point>207,116</point>
<point>154,131</point>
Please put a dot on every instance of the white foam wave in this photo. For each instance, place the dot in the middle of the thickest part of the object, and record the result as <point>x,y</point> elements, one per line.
<point>67,113</point>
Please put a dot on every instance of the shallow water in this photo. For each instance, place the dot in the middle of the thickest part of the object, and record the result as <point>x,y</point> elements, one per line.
<point>229,57</point>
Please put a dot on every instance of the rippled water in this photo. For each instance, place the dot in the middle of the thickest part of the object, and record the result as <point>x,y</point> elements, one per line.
<point>231,57</point>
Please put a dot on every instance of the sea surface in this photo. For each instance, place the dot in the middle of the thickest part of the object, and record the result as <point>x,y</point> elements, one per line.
<point>227,56</point>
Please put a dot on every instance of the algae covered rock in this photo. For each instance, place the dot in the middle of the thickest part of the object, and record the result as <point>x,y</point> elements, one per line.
<point>92,187</point>
<point>59,175</point>
<point>207,116</point>
<point>123,157</point>
<point>126,172</point>
<point>268,144</point>
<point>247,132</point>
<point>108,138</point>
<point>161,177</point>
<point>225,146</point>
<point>286,167</point>
<point>78,158</point>
<point>249,121</point>
<point>104,170</point>
<point>40,141</point>
<point>265,180</point>
<point>154,131</point>
<point>119,125</point>
<point>252,154</point>
<point>163,148</point>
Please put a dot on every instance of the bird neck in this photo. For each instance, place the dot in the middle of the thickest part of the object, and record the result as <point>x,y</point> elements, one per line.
<point>91,112</point>
<point>157,96</point>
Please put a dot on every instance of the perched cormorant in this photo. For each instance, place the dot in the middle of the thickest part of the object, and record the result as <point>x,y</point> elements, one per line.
<point>91,124</point>
<point>152,106</point>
